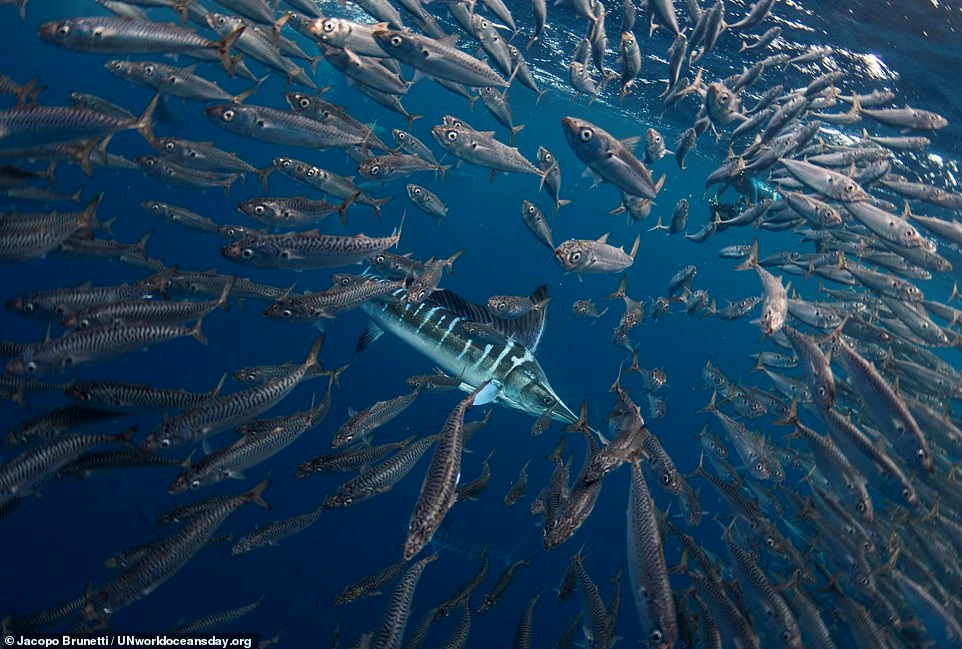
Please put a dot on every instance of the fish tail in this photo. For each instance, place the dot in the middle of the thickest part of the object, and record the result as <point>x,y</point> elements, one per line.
<point>622,288</point>
<point>752,261</point>
<point>342,208</point>
<point>561,202</point>
<point>225,293</point>
<point>711,407</point>
<point>312,361</point>
<point>197,330</point>
<point>224,47</point>
<point>256,496</point>
<point>88,219</point>
<point>263,174</point>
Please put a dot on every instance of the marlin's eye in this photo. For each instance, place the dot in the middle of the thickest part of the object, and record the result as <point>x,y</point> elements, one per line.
<point>585,134</point>
<point>396,41</point>
<point>547,400</point>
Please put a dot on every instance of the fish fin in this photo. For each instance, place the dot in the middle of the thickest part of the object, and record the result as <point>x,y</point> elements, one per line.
<point>634,248</point>
<point>603,238</point>
<point>487,394</point>
<point>255,495</point>
<point>630,142</point>
<point>371,334</point>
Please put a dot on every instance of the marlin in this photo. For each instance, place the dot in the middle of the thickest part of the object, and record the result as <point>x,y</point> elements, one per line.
<point>506,361</point>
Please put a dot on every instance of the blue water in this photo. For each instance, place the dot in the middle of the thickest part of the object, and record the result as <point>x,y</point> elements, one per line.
<point>55,543</point>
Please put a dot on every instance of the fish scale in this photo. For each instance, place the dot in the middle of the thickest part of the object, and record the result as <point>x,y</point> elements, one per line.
<point>596,615</point>
<point>464,592</point>
<point>439,489</point>
<point>28,470</point>
<point>646,565</point>
<point>271,534</point>
<point>361,424</point>
<point>327,303</point>
<point>391,629</point>
<point>381,477</point>
<point>303,251</point>
<point>97,343</point>
<point>251,450</point>
<point>169,555</point>
<point>130,395</point>
<point>217,620</point>
<point>222,413</point>
<point>153,311</point>
<point>371,585</point>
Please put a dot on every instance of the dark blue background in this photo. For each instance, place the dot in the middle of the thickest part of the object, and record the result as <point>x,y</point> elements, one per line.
<point>55,543</point>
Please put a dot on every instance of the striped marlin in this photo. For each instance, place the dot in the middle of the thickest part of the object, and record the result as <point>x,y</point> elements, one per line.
<point>431,327</point>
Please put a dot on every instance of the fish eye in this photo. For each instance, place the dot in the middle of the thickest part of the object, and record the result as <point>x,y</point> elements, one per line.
<point>286,163</point>
<point>195,484</point>
<point>786,636</point>
<point>547,400</point>
<point>379,259</point>
<point>906,493</point>
<point>247,253</point>
<point>770,542</point>
<point>164,443</point>
<point>287,313</point>
<point>574,257</point>
<point>31,367</point>
<point>375,170</point>
<point>484,24</point>
<point>259,209</point>
<point>396,41</point>
<point>148,69</point>
<point>311,172</point>
<point>759,466</point>
<point>169,146</point>
<point>228,115</point>
<point>547,157</point>
<point>657,635</point>
<point>328,26</point>
<point>64,30</point>
<point>250,377</point>
<point>28,307</point>
<point>452,135</point>
<point>920,453</point>
<point>860,507</point>
<point>665,478</point>
<point>585,134</point>
<point>221,20</point>
<point>502,306</point>
<point>304,102</point>
<point>417,190</point>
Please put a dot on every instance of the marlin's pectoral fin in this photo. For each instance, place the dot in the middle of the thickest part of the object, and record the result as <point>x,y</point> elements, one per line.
<point>487,394</point>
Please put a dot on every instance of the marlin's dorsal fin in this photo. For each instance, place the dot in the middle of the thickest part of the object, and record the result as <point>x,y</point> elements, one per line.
<point>526,330</point>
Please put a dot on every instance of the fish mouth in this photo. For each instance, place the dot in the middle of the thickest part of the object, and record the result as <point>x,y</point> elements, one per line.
<point>563,413</point>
